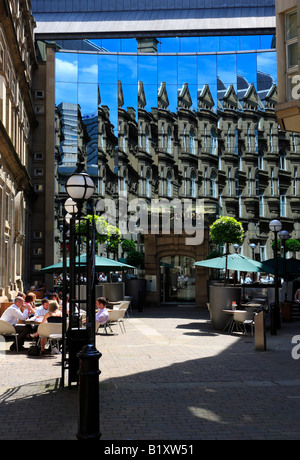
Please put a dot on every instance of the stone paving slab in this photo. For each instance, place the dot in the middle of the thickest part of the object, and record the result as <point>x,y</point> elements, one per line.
<point>169,377</point>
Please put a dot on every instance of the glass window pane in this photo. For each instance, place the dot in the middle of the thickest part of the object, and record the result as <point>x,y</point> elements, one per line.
<point>108,69</point>
<point>207,69</point>
<point>247,67</point>
<point>65,92</point>
<point>127,69</point>
<point>249,42</point>
<point>187,70</point>
<point>189,45</point>
<point>227,69</point>
<point>112,44</point>
<point>291,25</point>
<point>147,69</point>
<point>208,44</point>
<point>129,45</point>
<point>168,45</point>
<point>292,55</point>
<point>229,43</point>
<point>87,68</point>
<point>66,67</point>
<point>87,98</point>
<point>267,63</point>
<point>167,69</point>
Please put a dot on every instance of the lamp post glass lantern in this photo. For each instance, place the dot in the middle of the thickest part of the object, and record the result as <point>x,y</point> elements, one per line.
<point>80,186</point>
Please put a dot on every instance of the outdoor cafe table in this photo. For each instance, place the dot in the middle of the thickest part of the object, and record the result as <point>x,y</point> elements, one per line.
<point>34,321</point>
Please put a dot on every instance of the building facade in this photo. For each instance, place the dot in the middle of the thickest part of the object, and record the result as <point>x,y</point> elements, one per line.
<point>159,117</point>
<point>17,122</point>
<point>287,32</point>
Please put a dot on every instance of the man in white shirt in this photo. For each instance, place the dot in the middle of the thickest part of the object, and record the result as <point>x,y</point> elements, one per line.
<point>13,315</point>
<point>102,313</point>
<point>43,309</point>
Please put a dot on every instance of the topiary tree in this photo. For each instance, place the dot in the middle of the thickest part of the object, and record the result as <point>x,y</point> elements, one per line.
<point>226,230</point>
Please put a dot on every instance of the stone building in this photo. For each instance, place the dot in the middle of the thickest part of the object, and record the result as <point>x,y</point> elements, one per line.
<point>17,121</point>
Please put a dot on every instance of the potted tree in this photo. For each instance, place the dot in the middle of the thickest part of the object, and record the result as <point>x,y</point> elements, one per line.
<point>225,230</point>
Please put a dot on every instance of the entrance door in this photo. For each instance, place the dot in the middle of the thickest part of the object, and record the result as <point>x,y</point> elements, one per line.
<point>177,279</point>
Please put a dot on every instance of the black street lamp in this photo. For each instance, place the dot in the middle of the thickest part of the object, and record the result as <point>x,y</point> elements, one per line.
<point>83,356</point>
<point>275,226</point>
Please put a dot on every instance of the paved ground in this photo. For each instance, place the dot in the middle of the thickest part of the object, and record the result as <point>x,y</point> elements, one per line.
<point>169,377</point>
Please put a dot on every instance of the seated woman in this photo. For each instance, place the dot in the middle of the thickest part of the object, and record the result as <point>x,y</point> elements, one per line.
<point>29,303</point>
<point>53,312</point>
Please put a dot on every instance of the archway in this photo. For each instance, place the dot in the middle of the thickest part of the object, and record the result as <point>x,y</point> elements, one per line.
<point>177,279</point>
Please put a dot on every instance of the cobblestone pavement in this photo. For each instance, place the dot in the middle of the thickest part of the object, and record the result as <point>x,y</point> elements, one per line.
<point>169,377</point>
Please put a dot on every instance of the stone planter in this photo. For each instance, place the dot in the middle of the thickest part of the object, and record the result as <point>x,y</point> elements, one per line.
<point>220,298</point>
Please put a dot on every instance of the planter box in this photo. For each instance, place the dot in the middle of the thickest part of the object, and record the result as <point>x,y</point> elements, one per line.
<point>221,298</point>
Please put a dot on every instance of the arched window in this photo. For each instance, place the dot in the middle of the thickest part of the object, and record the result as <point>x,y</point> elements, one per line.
<point>193,184</point>
<point>192,141</point>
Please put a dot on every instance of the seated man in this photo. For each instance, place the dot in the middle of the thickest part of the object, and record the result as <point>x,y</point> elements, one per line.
<point>43,309</point>
<point>102,313</point>
<point>13,315</point>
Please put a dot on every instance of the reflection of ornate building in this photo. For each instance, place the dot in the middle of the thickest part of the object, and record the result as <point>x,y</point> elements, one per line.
<point>234,158</point>
<point>17,61</point>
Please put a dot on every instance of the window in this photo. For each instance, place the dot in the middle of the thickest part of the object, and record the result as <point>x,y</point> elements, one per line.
<point>282,160</point>
<point>148,190</point>
<point>193,184</point>
<point>192,141</point>
<point>248,138</point>
<point>169,184</point>
<point>38,156</point>
<point>205,181</point>
<point>271,138</point>
<point>213,184</point>
<point>256,184</point>
<point>169,146</point>
<point>261,209</point>
<point>272,182</point>
<point>185,182</point>
<point>282,198</point>
<point>236,142</point>
<point>147,139</point>
<point>249,182</point>
<point>213,142</point>
<point>256,139</point>
<point>295,179</point>
<point>291,42</point>
<point>237,184</point>
<point>228,138</point>
<point>205,137</point>
<point>38,172</point>
<point>229,181</point>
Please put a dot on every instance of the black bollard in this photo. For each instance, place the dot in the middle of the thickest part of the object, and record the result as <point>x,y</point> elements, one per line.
<point>88,393</point>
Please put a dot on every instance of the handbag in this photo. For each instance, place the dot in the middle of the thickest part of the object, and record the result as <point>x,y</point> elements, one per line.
<point>34,350</point>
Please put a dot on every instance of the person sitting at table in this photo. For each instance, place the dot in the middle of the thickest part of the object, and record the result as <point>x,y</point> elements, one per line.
<point>297,296</point>
<point>102,313</point>
<point>29,303</point>
<point>43,309</point>
<point>55,296</point>
<point>54,312</point>
<point>13,315</point>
